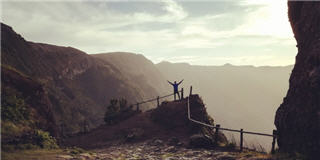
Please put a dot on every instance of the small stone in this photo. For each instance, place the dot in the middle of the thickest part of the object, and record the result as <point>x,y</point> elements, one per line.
<point>157,150</point>
<point>171,149</point>
<point>179,144</point>
<point>158,142</point>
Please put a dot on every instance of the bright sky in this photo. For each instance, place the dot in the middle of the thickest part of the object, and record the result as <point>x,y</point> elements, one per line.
<point>240,32</point>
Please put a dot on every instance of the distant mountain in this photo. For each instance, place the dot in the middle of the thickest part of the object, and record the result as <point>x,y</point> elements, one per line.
<point>140,71</point>
<point>236,96</point>
<point>78,86</point>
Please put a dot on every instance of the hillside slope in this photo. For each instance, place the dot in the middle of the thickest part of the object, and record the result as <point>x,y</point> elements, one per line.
<point>169,120</point>
<point>140,71</point>
<point>79,86</point>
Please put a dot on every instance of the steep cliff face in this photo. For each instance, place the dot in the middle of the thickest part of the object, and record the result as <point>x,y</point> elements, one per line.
<point>298,117</point>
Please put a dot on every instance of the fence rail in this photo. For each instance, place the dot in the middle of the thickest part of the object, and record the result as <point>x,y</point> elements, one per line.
<point>217,127</point>
<point>157,99</point>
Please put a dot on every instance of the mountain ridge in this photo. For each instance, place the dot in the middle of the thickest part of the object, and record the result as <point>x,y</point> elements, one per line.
<point>224,65</point>
<point>79,85</point>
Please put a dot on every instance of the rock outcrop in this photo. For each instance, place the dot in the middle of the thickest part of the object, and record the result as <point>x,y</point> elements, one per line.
<point>167,123</point>
<point>298,117</point>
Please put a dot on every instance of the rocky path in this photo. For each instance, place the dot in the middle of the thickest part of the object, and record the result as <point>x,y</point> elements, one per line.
<point>148,150</point>
<point>158,150</point>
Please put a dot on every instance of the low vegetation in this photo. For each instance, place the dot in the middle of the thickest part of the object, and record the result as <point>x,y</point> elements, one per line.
<point>19,128</point>
<point>118,110</point>
<point>13,107</point>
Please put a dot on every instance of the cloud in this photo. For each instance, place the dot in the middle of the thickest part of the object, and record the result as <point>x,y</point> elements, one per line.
<point>160,29</point>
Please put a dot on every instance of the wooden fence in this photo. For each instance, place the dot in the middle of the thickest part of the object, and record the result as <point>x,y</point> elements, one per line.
<point>157,99</point>
<point>217,127</point>
<point>241,131</point>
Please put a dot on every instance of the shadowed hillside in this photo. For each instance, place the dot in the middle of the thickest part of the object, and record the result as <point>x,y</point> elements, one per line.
<point>140,71</point>
<point>78,86</point>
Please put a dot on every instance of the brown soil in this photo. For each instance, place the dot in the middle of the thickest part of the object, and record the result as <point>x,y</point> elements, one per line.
<point>145,126</point>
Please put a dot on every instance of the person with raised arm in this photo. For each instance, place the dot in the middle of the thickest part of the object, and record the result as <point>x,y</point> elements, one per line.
<point>175,88</point>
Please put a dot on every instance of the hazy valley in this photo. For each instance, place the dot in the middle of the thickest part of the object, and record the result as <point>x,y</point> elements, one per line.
<point>236,96</point>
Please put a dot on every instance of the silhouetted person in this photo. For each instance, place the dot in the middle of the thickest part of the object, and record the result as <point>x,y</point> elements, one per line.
<point>175,88</point>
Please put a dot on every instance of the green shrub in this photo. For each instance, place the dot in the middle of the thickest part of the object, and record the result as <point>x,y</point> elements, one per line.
<point>18,128</point>
<point>44,140</point>
<point>117,110</point>
<point>13,107</point>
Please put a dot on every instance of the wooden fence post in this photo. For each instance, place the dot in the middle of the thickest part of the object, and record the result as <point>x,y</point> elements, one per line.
<point>274,133</point>
<point>241,140</point>
<point>158,102</point>
<point>138,107</point>
<point>190,90</point>
<point>181,93</point>
<point>216,137</point>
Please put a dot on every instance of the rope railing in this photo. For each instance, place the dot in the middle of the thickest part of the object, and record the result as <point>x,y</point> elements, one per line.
<point>157,99</point>
<point>154,99</point>
<point>217,127</point>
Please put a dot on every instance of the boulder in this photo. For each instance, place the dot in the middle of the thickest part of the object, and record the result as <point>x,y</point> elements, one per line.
<point>200,141</point>
<point>298,117</point>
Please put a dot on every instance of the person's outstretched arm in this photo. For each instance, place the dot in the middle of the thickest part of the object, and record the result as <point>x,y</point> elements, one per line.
<point>180,82</point>
<point>170,82</point>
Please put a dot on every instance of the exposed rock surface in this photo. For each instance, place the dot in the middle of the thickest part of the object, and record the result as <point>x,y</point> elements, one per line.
<point>167,152</point>
<point>298,117</point>
<point>145,151</point>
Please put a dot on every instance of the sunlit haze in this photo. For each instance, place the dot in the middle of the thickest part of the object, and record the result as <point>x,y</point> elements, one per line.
<point>197,32</point>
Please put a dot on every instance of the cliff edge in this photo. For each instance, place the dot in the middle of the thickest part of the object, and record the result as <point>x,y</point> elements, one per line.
<point>166,122</point>
<point>298,117</point>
